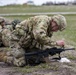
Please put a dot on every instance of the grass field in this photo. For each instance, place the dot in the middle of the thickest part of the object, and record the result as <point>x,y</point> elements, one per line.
<point>24,9</point>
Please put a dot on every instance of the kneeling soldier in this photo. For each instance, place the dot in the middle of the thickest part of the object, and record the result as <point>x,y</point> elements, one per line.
<point>31,34</point>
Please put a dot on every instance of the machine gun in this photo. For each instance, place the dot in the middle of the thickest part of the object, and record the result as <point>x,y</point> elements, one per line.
<point>15,22</point>
<point>46,53</point>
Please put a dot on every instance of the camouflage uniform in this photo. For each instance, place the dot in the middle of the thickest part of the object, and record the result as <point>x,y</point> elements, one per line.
<point>5,31</point>
<point>30,34</point>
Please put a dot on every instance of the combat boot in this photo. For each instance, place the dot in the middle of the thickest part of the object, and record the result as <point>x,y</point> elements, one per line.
<point>46,59</point>
<point>2,56</point>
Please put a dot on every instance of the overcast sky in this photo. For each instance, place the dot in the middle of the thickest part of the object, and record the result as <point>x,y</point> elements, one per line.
<point>37,2</point>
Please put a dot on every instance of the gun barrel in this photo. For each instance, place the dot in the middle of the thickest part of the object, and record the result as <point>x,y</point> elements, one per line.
<point>70,49</point>
<point>52,51</point>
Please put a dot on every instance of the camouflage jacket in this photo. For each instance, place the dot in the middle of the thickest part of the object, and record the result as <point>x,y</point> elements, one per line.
<point>35,32</point>
<point>5,34</point>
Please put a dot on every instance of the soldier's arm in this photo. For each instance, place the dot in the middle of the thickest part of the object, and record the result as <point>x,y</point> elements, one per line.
<point>21,28</point>
<point>40,34</point>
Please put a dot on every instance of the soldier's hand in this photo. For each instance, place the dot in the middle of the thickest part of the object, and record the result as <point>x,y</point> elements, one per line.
<point>60,43</point>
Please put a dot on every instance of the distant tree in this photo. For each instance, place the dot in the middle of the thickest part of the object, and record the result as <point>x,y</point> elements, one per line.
<point>74,2</point>
<point>48,3</point>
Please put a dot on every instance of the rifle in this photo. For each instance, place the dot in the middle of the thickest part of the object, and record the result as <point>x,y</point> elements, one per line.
<point>45,53</point>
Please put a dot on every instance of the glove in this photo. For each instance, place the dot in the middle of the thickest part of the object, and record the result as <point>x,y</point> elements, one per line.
<point>60,43</point>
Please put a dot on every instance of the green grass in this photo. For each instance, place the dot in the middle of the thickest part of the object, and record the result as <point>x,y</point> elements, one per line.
<point>18,17</point>
<point>43,67</point>
<point>26,9</point>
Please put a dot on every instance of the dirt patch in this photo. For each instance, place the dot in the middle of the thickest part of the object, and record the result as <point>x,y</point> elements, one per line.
<point>54,68</point>
<point>7,70</point>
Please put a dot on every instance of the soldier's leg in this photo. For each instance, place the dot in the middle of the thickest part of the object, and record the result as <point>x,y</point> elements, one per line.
<point>16,57</point>
<point>2,54</point>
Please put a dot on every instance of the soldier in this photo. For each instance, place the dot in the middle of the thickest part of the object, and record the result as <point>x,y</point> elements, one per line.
<point>6,27</point>
<point>33,33</point>
<point>4,32</point>
<point>9,24</point>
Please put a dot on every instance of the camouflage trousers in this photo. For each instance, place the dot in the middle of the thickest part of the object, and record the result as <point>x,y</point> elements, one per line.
<point>15,56</point>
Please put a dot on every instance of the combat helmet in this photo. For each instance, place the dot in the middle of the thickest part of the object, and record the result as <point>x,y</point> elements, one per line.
<point>61,21</point>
